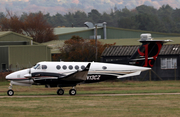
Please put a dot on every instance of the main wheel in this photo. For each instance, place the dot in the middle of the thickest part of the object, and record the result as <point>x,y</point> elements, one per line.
<point>72,92</point>
<point>60,91</point>
<point>10,92</point>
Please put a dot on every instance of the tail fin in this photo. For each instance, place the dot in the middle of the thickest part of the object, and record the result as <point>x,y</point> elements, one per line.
<point>147,53</point>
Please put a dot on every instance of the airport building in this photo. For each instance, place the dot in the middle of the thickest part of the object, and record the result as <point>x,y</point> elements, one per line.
<point>18,51</point>
<point>166,66</point>
<point>103,32</point>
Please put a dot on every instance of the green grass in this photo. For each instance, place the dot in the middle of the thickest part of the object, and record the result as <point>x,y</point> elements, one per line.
<point>92,106</point>
<point>89,106</point>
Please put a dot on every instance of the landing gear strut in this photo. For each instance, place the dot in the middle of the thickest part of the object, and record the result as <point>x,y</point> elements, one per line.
<point>10,92</point>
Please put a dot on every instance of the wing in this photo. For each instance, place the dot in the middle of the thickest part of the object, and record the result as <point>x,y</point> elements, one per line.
<point>78,75</point>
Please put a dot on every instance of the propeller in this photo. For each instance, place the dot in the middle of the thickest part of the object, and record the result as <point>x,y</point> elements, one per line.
<point>29,70</point>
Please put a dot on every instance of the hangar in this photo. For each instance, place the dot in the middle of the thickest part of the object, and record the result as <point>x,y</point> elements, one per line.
<point>166,66</point>
<point>19,51</point>
<point>103,32</point>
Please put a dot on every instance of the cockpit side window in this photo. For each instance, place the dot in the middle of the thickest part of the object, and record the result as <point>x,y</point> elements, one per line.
<point>44,67</point>
<point>37,66</point>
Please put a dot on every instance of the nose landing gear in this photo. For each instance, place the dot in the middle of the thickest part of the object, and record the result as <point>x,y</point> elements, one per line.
<point>10,92</point>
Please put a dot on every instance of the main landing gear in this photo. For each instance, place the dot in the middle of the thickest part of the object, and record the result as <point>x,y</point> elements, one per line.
<point>10,92</point>
<point>60,91</point>
<point>71,91</point>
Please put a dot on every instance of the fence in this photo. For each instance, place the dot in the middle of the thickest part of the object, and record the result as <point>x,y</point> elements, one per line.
<point>3,75</point>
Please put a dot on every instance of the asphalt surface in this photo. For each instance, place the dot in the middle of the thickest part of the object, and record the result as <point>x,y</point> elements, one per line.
<point>34,96</point>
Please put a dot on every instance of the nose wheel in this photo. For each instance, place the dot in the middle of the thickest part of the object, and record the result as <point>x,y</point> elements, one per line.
<point>10,92</point>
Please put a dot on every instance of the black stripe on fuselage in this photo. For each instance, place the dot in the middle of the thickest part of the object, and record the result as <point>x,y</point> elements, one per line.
<point>92,78</point>
<point>17,79</point>
<point>47,74</point>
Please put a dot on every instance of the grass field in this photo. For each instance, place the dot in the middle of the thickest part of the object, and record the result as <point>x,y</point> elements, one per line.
<point>92,106</point>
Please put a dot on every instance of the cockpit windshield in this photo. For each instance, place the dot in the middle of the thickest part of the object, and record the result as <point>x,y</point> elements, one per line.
<point>37,66</point>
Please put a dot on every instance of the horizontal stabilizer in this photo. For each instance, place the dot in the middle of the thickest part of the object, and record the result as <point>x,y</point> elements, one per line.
<point>131,74</point>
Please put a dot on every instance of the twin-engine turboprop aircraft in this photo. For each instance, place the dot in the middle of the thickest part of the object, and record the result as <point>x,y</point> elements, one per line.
<point>69,74</point>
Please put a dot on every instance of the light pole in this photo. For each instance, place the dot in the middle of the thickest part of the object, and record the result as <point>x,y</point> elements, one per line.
<point>96,44</point>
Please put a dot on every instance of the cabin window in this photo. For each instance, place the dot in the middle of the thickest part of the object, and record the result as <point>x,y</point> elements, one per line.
<point>168,63</point>
<point>44,67</point>
<point>64,67</point>
<point>82,67</point>
<point>70,67</point>
<point>37,66</point>
<point>104,67</point>
<point>58,67</point>
<point>76,67</point>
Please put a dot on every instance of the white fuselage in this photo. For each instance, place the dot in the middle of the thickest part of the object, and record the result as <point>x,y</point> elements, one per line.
<point>96,71</point>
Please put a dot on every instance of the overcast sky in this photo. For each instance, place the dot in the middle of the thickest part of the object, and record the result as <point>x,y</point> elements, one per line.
<point>64,6</point>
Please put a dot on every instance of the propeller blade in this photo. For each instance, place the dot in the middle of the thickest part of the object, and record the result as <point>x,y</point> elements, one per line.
<point>30,71</point>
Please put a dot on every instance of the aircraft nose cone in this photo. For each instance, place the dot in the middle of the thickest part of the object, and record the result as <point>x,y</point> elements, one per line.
<point>8,77</point>
<point>11,76</point>
<point>17,75</point>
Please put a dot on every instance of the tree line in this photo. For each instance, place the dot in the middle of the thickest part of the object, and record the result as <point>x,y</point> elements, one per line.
<point>32,25</point>
<point>40,26</point>
<point>165,19</point>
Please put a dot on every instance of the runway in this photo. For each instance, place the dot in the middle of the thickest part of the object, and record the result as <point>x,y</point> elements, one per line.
<point>139,94</point>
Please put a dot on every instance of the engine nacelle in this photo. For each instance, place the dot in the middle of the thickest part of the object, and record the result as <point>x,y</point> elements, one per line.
<point>23,82</point>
